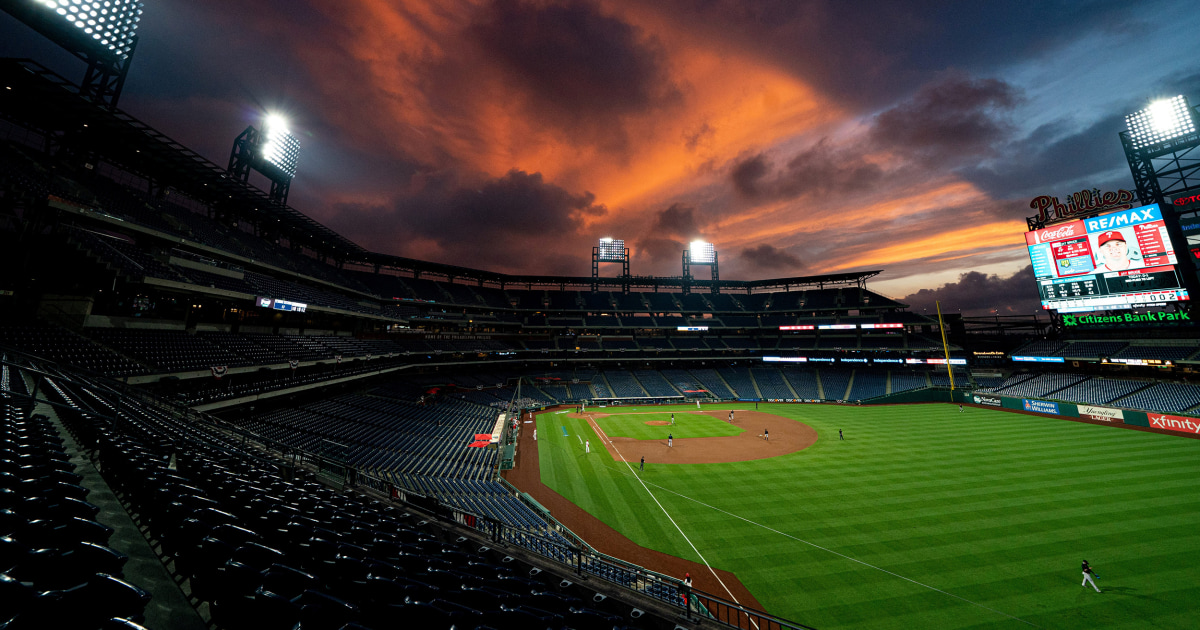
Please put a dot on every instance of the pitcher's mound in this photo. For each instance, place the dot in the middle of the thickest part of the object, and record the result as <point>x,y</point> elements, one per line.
<point>657,423</point>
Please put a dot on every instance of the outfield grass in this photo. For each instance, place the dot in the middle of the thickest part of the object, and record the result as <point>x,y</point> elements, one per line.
<point>992,507</point>
<point>687,425</point>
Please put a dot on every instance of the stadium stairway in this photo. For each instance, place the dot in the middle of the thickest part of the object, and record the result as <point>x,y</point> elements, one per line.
<point>168,606</point>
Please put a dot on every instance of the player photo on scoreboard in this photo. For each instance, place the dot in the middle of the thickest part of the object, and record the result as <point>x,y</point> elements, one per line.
<point>1116,250</point>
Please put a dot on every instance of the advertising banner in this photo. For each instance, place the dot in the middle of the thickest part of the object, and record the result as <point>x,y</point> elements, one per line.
<point>990,401</point>
<point>1040,406</point>
<point>1174,423</point>
<point>1040,359</point>
<point>1106,414</point>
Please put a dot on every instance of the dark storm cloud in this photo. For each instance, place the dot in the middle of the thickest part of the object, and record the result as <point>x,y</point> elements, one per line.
<point>953,119</point>
<point>660,250</point>
<point>977,293</point>
<point>676,220</point>
<point>820,169</point>
<point>766,257</point>
<point>500,224</point>
<point>665,238</point>
<point>1051,157</point>
<point>1058,158</point>
<point>868,53</point>
<point>574,63</point>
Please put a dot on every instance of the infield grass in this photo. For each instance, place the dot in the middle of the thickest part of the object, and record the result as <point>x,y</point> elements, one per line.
<point>923,517</point>
<point>633,423</point>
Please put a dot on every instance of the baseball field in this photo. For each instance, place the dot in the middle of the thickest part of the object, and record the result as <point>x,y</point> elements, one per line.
<point>922,517</point>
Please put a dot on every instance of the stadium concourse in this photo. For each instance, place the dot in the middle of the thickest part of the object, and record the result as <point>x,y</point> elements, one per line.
<point>216,410</point>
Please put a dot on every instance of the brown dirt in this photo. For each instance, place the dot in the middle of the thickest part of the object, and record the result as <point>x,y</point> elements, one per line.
<point>786,436</point>
<point>657,423</point>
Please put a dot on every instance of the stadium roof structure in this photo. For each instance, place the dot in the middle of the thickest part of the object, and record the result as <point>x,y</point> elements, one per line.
<point>39,99</point>
<point>51,104</point>
<point>422,268</point>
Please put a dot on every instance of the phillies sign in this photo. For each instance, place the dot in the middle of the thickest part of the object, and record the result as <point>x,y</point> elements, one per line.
<point>1083,202</point>
<point>1174,423</point>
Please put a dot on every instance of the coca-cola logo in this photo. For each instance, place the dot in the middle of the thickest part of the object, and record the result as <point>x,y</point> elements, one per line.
<point>1062,232</point>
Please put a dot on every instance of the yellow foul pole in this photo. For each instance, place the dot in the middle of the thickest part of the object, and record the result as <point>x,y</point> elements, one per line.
<point>945,346</point>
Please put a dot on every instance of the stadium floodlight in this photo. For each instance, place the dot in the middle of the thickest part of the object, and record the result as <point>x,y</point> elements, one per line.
<point>610,250</point>
<point>102,33</point>
<point>702,253</point>
<point>280,148</point>
<point>273,152</point>
<point>1161,121</point>
<point>112,24</point>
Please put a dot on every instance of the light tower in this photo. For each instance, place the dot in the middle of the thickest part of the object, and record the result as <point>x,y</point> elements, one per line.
<point>1161,145</point>
<point>273,152</point>
<point>700,253</point>
<point>102,33</point>
<point>610,250</point>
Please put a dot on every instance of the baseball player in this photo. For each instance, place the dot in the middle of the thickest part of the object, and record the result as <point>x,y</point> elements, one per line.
<point>1089,575</point>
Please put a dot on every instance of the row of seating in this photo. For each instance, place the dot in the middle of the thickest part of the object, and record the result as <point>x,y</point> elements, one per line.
<point>1155,396</point>
<point>267,549</point>
<point>1173,350</point>
<point>56,568</point>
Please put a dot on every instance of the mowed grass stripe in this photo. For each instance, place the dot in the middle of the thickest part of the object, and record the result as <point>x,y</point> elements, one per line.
<point>996,505</point>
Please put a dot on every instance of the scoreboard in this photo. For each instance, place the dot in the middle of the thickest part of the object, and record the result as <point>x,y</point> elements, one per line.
<point>1113,261</point>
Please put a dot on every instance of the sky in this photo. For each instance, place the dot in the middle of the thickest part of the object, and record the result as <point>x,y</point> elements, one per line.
<point>800,137</point>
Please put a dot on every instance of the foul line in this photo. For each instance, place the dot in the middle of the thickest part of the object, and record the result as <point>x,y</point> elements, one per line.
<point>814,545</point>
<point>604,438</point>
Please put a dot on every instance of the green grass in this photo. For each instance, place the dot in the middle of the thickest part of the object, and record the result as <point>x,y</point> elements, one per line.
<point>988,506</point>
<point>687,424</point>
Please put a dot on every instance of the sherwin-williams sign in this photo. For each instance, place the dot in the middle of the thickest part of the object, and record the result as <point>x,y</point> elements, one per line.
<point>1174,423</point>
<point>1040,406</point>
<point>1106,414</point>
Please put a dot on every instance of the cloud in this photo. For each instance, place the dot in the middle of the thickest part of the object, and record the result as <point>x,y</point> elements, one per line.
<point>766,257</point>
<point>676,220</point>
<point>663,240</point>
<point>514,222</point>
<point>821,169</point>
<point>955,118</point>
<point>1055,159</point>
<point>575,66</point>
<point>978,294</point>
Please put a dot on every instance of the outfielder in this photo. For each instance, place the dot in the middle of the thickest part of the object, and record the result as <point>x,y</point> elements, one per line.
<point>1089,575</point>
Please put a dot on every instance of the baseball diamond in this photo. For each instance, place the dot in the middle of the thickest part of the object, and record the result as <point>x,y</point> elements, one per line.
<point>916,514</point>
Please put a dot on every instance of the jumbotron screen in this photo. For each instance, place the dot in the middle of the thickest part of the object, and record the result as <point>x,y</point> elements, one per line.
<point>1110,262</point>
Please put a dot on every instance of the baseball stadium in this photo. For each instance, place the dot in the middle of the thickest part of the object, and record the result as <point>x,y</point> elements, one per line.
<point>219,413</point>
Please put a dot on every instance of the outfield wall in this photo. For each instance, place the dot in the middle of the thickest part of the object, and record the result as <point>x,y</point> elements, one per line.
<point>1165,423</point>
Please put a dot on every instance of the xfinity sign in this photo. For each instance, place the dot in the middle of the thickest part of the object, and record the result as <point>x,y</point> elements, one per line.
<point>1174,423</point>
